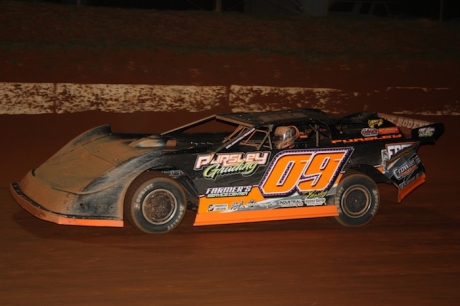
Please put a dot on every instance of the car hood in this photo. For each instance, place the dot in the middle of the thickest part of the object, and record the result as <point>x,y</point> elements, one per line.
<point>106,159</point>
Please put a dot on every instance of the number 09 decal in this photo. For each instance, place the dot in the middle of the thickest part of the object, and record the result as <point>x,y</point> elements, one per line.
<point>303,171</point>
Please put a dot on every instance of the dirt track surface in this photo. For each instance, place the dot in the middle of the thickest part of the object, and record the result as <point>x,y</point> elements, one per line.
<point>408,255</point>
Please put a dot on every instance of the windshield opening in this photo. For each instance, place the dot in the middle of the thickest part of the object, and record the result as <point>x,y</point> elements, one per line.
<point>258,138</point>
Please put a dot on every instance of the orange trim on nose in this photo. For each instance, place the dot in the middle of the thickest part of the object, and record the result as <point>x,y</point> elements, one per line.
<point>58,218</point>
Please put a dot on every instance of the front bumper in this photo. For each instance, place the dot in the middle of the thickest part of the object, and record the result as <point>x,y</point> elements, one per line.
<point>43,213</point>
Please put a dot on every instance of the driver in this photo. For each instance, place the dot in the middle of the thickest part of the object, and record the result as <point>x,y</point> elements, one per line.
<point>285,136</point>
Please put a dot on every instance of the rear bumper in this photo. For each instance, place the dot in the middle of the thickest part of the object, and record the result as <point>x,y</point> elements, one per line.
<point>45,214</point>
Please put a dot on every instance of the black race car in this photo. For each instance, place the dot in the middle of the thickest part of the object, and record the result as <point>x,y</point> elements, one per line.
<point>263,166</point>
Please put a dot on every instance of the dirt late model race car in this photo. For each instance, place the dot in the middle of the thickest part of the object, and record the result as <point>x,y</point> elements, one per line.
<point>274,165</point>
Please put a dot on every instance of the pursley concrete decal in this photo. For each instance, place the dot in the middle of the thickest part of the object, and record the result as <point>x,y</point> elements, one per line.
<point>42,98</point>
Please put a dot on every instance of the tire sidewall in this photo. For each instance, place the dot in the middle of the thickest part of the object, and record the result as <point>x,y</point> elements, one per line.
<point>137,200</point>
<point>357,181</point>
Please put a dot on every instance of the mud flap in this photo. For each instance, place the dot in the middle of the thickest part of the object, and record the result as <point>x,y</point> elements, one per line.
<point>405,170</point>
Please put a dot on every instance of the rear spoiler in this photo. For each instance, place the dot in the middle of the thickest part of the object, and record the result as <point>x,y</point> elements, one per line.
<point>415,129</point>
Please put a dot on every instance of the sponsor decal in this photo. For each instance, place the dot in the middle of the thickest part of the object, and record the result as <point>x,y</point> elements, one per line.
<point>278,203</point>
<point>410,180</point>
<point>290,203</point>
<point>374,122</point>
<point>426,132</point>
<point>217,207</point>
<point>314,198</point>
<point>215,165</point>
<point>407,122</point>
<point>388,130</point>
<point>394,148</point>
<point>369,132</point>
<point>407,168</point>
<point>303,171</point>
<point>354,140</point>
<point>251,205</point>
<point>315,202</point>
<point>389,151</point>
<point>232,191</point>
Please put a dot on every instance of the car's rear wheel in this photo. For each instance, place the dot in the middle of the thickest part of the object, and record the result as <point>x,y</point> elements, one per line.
<point>357,198</point>
<point>154,203</point>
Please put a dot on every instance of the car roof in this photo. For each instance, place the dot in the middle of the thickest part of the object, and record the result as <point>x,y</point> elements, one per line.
<point>275,117</point>
<point>257,119</point>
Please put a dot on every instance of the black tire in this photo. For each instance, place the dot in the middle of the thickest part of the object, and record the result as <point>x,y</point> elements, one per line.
<point>357,198</point>
<point>154,203</point>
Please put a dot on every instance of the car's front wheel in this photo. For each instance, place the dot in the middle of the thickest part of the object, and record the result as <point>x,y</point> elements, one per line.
<point>154,203</point>
<point>357,198</point>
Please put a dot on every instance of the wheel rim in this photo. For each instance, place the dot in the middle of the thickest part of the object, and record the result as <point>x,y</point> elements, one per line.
<point>159,206</point>
<point>356,201</point>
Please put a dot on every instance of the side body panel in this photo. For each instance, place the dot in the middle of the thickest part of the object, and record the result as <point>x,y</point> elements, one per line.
<point>265,185</point>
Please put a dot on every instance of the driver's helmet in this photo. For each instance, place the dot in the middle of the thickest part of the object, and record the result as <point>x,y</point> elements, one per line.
<point>285,136</point>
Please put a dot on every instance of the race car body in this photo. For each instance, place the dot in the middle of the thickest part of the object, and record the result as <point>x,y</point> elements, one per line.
<point>274,165</point>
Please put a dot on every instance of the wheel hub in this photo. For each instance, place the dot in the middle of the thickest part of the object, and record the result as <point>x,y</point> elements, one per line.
<point>356,201</point>
<point>159,206</point>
